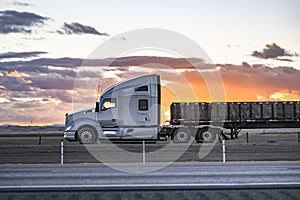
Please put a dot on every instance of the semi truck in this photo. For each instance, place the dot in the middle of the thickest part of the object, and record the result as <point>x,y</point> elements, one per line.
<point>130,110</point>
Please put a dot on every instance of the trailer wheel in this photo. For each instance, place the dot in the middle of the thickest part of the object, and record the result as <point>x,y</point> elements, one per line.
<point>86,135</point>
<point>182,135</point>
<point>206,135</point>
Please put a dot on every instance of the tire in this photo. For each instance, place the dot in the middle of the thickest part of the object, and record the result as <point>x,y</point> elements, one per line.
<point>87,135</point>
<point>206,135</point>
<point>182,135</point>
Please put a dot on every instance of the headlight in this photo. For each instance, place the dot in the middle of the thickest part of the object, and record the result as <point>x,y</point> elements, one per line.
<point>69,128</point>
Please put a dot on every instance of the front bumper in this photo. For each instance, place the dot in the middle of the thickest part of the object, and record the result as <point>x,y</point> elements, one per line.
<point>70,135</point>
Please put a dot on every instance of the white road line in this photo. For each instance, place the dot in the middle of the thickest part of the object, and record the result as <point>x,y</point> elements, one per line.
<point>156,186</point>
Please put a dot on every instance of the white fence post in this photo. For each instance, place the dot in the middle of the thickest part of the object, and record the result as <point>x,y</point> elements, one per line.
<point>144,153</point>
<point>224,155</point>
<point>62,152</point>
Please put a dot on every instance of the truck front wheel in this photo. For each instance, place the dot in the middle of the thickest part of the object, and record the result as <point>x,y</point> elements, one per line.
<point>86,135</point>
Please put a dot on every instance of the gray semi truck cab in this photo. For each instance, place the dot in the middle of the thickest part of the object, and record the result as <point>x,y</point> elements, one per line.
<point>128,110</point>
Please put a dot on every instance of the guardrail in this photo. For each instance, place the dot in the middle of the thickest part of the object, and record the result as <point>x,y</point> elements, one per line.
<point>265,137</point>
<point>38,135</point>
<point>39,148</point>
<point>248,138</point>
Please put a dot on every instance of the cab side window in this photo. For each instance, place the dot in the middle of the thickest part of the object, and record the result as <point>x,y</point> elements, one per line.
<point>108,103</point>
<point>143,104</point>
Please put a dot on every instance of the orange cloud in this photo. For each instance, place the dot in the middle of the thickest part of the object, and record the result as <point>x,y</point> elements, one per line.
<point>18,75</point>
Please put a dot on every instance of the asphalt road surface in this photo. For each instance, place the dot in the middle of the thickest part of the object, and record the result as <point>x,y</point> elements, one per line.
<point>233,180</point>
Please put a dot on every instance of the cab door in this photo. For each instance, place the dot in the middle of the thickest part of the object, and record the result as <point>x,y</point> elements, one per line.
<point>107,115</point>
<point>108,119</point>
<point>139,119</point>
<point>143,117</point>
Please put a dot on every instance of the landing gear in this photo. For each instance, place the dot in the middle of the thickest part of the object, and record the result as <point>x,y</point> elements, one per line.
<point>222,136</point>
<point>234,132</point>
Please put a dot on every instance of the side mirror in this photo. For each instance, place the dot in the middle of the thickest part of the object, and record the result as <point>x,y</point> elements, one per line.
<point>97,109</point>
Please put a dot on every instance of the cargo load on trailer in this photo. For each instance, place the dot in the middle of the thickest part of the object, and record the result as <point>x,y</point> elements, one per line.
<point>237,115</point>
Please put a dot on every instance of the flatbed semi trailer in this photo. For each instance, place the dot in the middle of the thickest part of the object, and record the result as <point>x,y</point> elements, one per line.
<point>130,110</point>
<point>237,115</point>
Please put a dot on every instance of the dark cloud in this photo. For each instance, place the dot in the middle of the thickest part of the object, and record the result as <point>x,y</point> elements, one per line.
<point>57,79</point>
<point>55,94</point>
<point>87,74</point>
<point>39,70</point>
<point>12,21</point>
<point>45,95</point>
<point>56,62</point>
<point>52,81</point>
<point>18,3</point>
<point>21,54</point>
<point>76,28</point>
<point>63,96</point>
<point>273,51</point>
<point>36,75</point>
<point>161,62</point>
<point>34,38</point>
<point>25,105</point>
<point>285,59</point>
<point>14,83</point>
<point>145,61</point>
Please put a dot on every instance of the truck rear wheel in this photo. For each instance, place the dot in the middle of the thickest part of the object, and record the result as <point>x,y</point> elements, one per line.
<point>182,135</point>
<point>206,135</point>
<point>86,135</point>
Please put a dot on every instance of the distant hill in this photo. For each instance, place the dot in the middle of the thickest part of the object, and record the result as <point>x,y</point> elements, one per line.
<point>7,128</point>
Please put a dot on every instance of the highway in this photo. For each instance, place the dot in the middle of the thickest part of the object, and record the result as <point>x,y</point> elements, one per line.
<point>187,180</point>
<point>30,169</point>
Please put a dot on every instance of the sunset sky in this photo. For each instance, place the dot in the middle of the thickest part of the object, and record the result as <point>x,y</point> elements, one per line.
<point>47,46</point>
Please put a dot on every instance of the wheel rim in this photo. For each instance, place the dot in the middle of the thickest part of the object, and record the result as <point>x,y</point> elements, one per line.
<point>207,135</point>
<point>182,136</point>
<point>86,136</point>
